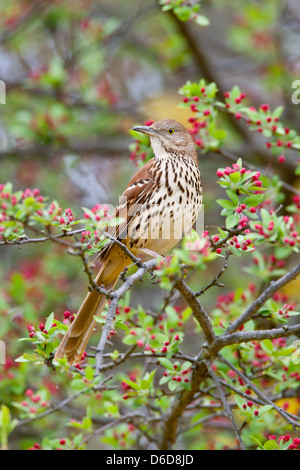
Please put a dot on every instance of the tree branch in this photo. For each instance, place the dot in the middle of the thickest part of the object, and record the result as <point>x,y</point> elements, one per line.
<point>115,297</point>
<point>261,300</point>
<point>198,311</point>
<point>25,240</point>
<point>260,394</point>
<point>258,335</point>
<point>227,407</point>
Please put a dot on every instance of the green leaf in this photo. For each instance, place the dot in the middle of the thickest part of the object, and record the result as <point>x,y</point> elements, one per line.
<point>235,92</point>
<point>277,112</point>
<point>271,444</point>
<point>130,340</point>
<point>78,384</point>
<point>86,423</point>
<point>172,385</point>
<point>226,204</point>
<point>267,346</point>
<point>202,20</point>
<point>264,409</point>
<point>28,358</point>
<point>235,177</point>
<point>233,196</point>
<point>77,439</point>
<point>257,442</point>
<point>232,220</point>
<point>183,13</point>
<point>121,325</point>
<point>6,425</point>
<point>112,409</point>
<point>185,315</point>
<point>144,384</point>
<point>265,215</point>
<point>166,363</point>
<point>133,385</point>
<point>239,401</point>
<point>49,321</point>
<point>89,373</point>
<point>254,200</point>
<point>192,236</point>
<point>149,377</point>
<point>185,365</point>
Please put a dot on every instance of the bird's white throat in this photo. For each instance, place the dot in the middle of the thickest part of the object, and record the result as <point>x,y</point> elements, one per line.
<point>158,149</point>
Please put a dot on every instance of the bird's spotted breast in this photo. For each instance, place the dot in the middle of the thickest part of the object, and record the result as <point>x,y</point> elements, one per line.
<point>171,209</point>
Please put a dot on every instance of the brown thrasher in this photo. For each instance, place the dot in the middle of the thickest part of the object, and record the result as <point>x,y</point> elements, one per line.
<point>159,205</point>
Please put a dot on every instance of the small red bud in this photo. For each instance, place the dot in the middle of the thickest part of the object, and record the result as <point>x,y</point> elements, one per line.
<point>265,107</point>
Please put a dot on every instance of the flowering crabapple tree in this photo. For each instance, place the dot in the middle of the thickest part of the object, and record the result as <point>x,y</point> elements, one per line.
<point>242,365</point>
<point>216,350</point>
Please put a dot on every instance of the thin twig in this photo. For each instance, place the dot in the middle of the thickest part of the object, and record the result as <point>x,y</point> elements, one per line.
<point>226,407</point>
<point>51,410</point>
<point>215,282</point>
<point>127,252</point>
<point>260,394</point>
<point>93,285</point>
<point>55,238</point>
<point>130,417</point>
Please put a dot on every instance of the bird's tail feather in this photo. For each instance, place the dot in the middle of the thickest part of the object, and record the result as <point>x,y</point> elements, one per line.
<point>76,338</point>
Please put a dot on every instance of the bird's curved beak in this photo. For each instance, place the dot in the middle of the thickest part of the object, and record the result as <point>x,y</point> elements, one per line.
<point>145,130</point>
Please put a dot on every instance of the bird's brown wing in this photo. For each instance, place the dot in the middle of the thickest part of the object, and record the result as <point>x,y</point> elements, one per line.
<point>135,195</point>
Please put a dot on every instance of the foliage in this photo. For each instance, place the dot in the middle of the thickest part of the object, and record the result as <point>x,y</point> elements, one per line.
<point>216,344</point>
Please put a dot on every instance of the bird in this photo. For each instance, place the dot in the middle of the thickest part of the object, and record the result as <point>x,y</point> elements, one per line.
<point>158,207</point>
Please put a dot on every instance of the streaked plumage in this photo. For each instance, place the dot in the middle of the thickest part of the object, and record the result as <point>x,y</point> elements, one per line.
<point>159,205</point>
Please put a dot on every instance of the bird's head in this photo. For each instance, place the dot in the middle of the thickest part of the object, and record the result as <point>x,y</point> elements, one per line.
<point>169,137</point>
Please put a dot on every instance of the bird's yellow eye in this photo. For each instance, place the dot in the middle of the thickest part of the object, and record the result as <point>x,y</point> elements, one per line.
<point>171,131</point>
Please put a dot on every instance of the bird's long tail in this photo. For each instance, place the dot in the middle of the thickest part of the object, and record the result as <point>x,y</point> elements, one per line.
<point>75,340</point>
